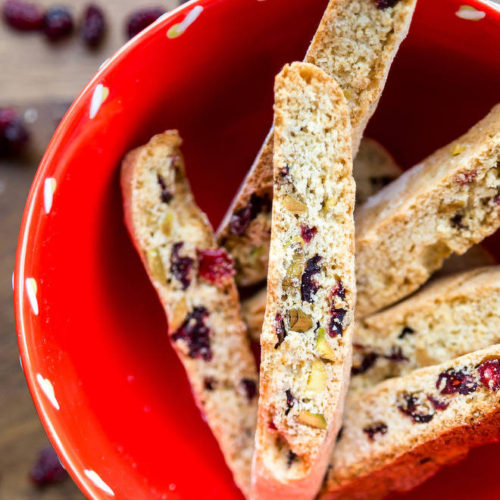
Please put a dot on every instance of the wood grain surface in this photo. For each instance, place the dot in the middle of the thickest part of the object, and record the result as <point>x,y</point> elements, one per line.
<point>41,80</point>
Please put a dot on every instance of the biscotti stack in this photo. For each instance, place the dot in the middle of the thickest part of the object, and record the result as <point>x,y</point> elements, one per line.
<point>367,384</point>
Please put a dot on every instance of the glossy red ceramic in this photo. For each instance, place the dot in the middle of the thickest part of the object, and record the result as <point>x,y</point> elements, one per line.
<point>113,397</point>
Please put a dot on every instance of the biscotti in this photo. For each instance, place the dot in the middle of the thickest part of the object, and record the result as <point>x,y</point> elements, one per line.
<point>194,280</point>
<point>444,205</point>
<point>306,336</point>
<point>402,431</point>
<point>449,318</point>
<point>355,43</point>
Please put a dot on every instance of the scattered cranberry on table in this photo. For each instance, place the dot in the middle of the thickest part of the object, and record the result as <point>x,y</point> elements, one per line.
<point>13,133</point>
<point>142,18</point>
<point>57,23</point>
<point>23,16</point>
<point>93,26</point>
<point>47,469</point>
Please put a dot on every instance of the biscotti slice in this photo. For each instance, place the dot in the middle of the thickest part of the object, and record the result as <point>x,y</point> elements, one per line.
<point>194,280</point>
<point>306,337</point>
<point>444,205</point>
<point>355,43</point>
<point>402,431</point>
<point>449,318</point>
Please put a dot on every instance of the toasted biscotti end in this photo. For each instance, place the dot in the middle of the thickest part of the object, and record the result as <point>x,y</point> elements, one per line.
<point>444,205</point>
<point>356,43</point>
<point>451,317</point>
<point>401,431</point>
<point>194,281</point>
<point>306,336</point>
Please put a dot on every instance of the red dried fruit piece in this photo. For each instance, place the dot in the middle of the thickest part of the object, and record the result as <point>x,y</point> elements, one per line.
<point>308,233</point>
<point>47,468</point>
<point>291,457</point>
<point>214,265</point>
<point>336,325</point>
<point>94,26</point>
<point>23,16</point>
<point>309,286</point>
<point>368,361</point>
<point>180,267</point>
<point>13,133</point>
<point>196,334</point>
<point>489,374</point>
<point>57,23</point>
<point>338,291</point>
<point>452,381</point>
<point>280,329</point>
<point>384,4</point>
<point>437,404</point>
<point>165,196</point>
<point>272,426</point>
<point>465,177</point>
<point>250,388</point>
<point>372,430</point>
<point>242,218</point>
<point>142,18</point>
<point>410,405</point>
<point>209,383</point>
<point>290,401</point>
<point>396,354</point>
<point>284,171</point>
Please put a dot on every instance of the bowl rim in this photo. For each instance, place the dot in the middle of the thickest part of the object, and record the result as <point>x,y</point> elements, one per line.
<point>31,210</point>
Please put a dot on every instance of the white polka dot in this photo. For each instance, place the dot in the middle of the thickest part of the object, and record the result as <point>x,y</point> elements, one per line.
<point>470,13</point>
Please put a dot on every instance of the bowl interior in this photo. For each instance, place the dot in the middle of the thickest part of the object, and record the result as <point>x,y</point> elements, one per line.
<point>111,393</point>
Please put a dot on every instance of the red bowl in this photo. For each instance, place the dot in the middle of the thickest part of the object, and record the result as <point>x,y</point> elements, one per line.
<point>113,397</point>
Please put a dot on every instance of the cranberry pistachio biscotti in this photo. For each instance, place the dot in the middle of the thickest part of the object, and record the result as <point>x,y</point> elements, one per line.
<point>444,205</point>
<point>355,43</point>
<point>451,317</point>
<point>402,431</point>
<point>194,280</point>
<point>306,337</point>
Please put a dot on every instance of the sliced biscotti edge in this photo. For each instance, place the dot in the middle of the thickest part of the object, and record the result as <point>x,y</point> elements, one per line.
<point>306,337</point>
<point>442,206</point>
<point>403,430</point>
<point>194,282</point>
<point>450,317</point>
<point>367,45</point>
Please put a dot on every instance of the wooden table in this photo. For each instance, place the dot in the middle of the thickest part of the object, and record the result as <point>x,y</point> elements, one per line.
<point>42,79</point>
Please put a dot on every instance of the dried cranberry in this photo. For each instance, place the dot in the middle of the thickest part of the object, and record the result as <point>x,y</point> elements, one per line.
<point>437,404</point>
<point>457,221</point>
<point>367,362</point>
<point>57,23</point>
<point>465,177</point>
<point>196,334</point>
<point>180,267</point>
<point>209,383</point>
<point>452,381</point>
<point>411,406</point>
<point>309,286</point>
<point>406,331</point>
<point>13,133</point>
<point>338,291</point>
<point>142,18</point>
<point>94,26</point>
<point>47,469</point>
<point>291,458</point>
<point>242,218</point>
<point>290,401</point>
<point>489,374</point>
<point>280,329</point>
<point>378,428</point>
<point>396,354</point>
<point>308,233</point>
<point>284,171</point>
<point>23,16</point>
<point>165,195</point>
<point>272,426</point>
<point>336,325</point>
<point>250,388</point>
<point>384,4</point>
<point>214,265</point>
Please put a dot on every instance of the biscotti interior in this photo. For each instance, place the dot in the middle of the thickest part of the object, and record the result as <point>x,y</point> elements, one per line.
<point>194,280</point>
<point>453,317</point>
<point>440,207</point>
<point>306,333</point>
<point>405,415</point>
